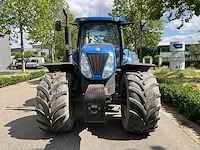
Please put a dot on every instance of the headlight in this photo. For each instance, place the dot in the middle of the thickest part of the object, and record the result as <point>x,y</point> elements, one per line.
<point>85,68</point>
<point>109,67</point>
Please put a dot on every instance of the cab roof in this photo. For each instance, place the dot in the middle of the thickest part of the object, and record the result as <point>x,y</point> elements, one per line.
<point>107,18</point>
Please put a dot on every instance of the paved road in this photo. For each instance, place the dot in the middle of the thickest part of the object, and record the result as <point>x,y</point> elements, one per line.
<point>19,130</point>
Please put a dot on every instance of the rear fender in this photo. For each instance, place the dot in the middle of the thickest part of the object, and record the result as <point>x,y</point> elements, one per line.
<point>131,68</point>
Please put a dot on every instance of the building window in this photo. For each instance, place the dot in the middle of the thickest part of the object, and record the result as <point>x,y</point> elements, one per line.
<point>164,49</point>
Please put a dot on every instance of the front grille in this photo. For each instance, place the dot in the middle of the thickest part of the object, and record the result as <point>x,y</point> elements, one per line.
<point>97,62</point>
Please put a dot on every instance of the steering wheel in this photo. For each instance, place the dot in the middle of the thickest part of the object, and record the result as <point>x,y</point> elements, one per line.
<point>99,37</point>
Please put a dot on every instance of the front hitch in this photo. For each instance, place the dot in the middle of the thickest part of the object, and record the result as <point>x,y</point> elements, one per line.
<point>94,104</point>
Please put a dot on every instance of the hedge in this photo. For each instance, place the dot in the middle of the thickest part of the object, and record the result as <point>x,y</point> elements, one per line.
<point>5,81</point>
<point>188,63</point>
<point>186,98</point>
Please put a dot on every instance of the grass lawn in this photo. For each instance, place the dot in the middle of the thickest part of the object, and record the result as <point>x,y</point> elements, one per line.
<point>189,76</point>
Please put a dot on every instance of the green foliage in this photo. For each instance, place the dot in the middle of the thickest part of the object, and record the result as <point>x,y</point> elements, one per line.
<point>183,97</point>
<point>43,30</point>
<point>164,72</point>
<point>16,54</point>
<point>158,56</point>
<point>188,63</point>
<point>174,9</point>
<point>174,92</point>
<point>195,50</point>
<point>21,14</point>
<point>132,11</point>
<point>5,81</point>
<point>48,59</point>
<point>147,57</point>
<point>27,54</point>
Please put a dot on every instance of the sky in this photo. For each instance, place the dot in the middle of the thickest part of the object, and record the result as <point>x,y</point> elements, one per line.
<point>189,33</point>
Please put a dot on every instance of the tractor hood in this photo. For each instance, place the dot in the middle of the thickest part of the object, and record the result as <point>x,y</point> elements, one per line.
<point>98,61</point>
<point>98,48</point>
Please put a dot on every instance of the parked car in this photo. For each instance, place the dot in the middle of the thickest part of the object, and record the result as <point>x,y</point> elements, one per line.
<point>35,62</point>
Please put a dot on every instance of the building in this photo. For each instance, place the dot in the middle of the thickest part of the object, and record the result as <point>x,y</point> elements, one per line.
<point>164,51</point>
<point>41,51</point>
<point>5,52</point>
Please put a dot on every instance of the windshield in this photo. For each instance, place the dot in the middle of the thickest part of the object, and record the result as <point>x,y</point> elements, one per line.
<point>100,32</point>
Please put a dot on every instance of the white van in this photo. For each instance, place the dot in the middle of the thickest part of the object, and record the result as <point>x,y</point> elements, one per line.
<point>18,63</point>
<point>35,62</point>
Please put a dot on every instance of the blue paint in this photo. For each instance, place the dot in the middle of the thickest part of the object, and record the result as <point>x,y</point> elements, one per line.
<point>127,57</point>
<point>74,56</point>
<point>107,18</point>
<point>98,49</point>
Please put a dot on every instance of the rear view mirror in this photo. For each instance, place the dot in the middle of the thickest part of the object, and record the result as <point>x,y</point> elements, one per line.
<point>144,25</point>
<point>58,26</point>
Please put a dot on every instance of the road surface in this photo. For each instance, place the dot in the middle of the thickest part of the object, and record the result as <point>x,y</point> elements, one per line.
<point>19,130</point>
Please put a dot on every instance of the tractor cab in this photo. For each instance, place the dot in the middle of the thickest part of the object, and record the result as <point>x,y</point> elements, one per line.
<point>100,43</point>
<point>100,30</point>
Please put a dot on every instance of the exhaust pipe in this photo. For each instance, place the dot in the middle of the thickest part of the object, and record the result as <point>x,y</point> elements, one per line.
<point>68,42</point>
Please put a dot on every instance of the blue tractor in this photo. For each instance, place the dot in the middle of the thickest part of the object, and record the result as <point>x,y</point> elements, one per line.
<point>98,73</point>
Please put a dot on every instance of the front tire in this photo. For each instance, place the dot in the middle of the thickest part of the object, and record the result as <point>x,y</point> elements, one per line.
<point>54,112</point>
<point>141,113</point>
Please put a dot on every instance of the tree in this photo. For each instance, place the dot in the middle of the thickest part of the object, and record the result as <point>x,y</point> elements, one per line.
<point>195,50</point>
<point>60,39</point>
<point>43,30</point>
<point>174,9</point>
<point>134,11</point>
<point>27,54</point>
<point>20,14</point>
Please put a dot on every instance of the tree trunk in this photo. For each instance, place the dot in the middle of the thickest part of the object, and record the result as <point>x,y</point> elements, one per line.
<point>22,47</point>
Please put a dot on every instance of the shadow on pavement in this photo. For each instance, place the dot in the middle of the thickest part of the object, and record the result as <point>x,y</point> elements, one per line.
<point>34,82</point>
<point>111,130</point>
<point>157,148</point>
<point>27,128</point>
<point>31,102</point>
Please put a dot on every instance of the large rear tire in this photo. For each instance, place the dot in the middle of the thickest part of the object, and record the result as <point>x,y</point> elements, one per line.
<point>54,112</point>
<point>141,112</point>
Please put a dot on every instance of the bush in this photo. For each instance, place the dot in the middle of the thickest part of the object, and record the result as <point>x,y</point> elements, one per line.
<point>5,81</point>
<point>165,72</point>
<point>188,63</point>
<point>183,97</point>
<point>27,54</point>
